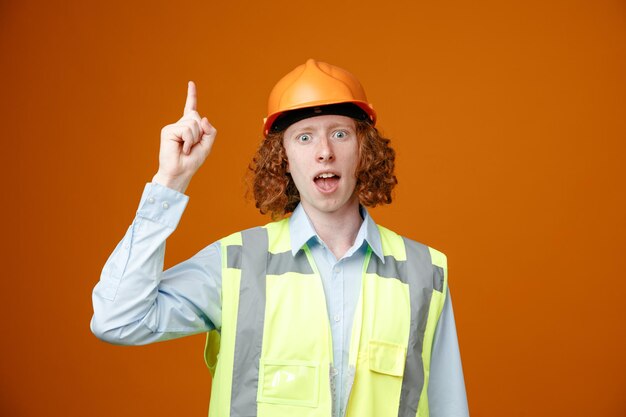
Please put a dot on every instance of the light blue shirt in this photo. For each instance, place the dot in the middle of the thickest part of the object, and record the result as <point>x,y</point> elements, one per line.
<point>136,302</point>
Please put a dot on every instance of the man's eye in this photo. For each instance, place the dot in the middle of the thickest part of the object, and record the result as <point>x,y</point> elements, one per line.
<point>340,134</point>
<point>304,138</point>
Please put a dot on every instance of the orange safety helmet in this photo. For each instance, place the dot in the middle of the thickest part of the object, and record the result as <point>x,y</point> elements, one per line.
<point>322,89</point>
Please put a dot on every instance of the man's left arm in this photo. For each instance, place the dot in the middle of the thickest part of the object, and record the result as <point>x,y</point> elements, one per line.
<point>446,389</point>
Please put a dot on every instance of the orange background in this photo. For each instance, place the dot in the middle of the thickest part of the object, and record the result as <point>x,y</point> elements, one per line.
<point>509,123</point>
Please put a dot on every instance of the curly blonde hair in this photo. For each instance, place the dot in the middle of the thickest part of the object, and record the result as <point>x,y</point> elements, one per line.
<point>275,192</point>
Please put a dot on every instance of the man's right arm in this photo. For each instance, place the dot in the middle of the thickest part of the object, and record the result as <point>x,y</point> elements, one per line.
<point>135,302</point>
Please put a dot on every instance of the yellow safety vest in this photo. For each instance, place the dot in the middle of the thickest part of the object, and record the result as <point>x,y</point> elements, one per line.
<point>273,355</point>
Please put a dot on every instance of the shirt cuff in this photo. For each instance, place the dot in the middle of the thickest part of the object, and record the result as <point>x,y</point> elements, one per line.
<point>162,205</point>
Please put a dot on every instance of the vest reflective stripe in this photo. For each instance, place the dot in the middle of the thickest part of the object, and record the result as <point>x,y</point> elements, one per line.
<point>419,272</point>
<point>222,378</point>
<point>278,264</point>
<point>410,263</point>
<point>414,272</point>
<point>440,279</point>
<point>277,360</point>
<point>250,317</point>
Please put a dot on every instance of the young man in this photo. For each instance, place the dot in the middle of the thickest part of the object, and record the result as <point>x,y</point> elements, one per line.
<point>323,313</point>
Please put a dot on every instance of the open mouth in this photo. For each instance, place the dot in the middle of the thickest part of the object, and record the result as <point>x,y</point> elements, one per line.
<point>327,181</point>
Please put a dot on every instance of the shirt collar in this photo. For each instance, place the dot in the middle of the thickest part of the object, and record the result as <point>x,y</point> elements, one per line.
<point>301,231</point>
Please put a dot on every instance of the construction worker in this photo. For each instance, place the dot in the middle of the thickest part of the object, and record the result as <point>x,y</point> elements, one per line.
<point>322,313</point>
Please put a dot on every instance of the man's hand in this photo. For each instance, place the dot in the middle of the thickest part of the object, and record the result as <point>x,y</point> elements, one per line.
<point>184,145</point>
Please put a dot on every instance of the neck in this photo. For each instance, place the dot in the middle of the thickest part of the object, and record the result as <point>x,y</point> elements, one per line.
<point>337,229</point>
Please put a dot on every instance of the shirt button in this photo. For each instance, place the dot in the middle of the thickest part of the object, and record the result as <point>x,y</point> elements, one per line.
<point>151,200</point>
<point>166,205</point>
<point>334,372</point>
<point>127,246</point>
<point>337,318</point>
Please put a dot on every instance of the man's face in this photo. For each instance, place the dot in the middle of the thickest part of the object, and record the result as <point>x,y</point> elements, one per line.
<point>323,155</point>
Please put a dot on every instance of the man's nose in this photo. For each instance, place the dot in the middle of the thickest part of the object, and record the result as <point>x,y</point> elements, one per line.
<point>325,151</point>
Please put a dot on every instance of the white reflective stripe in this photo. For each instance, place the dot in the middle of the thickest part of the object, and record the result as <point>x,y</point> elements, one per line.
<point>285,262</point>
<point>420,277</point>
<point>233,257</point>
<point>250,318</point>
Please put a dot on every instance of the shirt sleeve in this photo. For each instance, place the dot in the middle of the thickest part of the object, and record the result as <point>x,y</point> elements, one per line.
<point>136,302</point>
<point>446,389</point>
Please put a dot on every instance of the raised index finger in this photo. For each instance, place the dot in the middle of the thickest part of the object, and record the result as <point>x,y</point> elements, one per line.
<point>192,98</point>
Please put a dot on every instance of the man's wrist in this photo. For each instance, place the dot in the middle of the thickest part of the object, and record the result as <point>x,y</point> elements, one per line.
<point>177,184</point>
<point>162,204</point>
